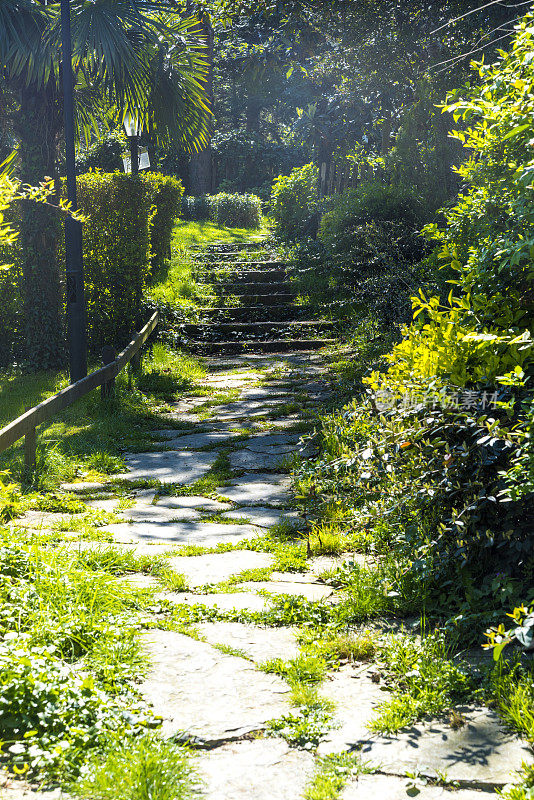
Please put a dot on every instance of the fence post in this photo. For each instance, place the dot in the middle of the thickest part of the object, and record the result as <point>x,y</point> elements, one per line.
<point>30,448</point>
<point>108,387</point>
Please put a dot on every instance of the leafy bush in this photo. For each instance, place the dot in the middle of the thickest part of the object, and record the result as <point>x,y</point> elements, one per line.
<point>105,154</point>
<point>116,240</point>
<point>236,210</point>
<point>370,202</point>
<point>10,498</point>
<point>294,200</point>
<point>436,464</point>
<point>370,269</point>
<point>226,210</point>
<point>49,715</point>
<point>167,196</point>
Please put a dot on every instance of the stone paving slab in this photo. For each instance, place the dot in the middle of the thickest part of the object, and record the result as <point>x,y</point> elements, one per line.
<point>247,459</point>
<point>264,517</point>
<point>387,787</point>
<point>264,442</point>
<point>479,753</point>
<point>192,501</point>
<point>147,512</point>
<point>216,567</point>
<point>265,769</point>
<point>260,644</point>
<point>258,489</point>
<point>39,519</point>
<point>207,534</point>
<point>167,466</point>
<point>196,441</point>
<point>138,580</point>
<point>310,591</point>
<point>233,601</point>
<point>356,698</point>
<point>207,694</point>
<point>12,789</point>
<point>84,486</point>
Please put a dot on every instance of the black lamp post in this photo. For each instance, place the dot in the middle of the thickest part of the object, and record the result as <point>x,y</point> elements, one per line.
<point>132,126</point>
<point>76,320</point>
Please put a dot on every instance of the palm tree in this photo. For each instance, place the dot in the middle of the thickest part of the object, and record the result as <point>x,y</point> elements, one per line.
<point>127,55</point>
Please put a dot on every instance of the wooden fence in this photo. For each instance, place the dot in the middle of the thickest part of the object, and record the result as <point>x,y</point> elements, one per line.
<point>27,423</point>
<point>337,178</point>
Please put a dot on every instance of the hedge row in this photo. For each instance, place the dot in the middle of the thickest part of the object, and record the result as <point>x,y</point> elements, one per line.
<point>126,237</point>
<point>226,210</point>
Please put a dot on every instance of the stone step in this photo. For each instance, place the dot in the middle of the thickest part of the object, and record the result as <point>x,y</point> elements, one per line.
<point>256,288</point>
<point>261,346</point>
<point>272,298</point>
<point>252,276</point>
<point>254,328</point>
<point>263,313</point>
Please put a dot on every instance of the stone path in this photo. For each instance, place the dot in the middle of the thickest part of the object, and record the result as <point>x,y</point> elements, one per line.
<point>207,682</point>
<point>262,316</point>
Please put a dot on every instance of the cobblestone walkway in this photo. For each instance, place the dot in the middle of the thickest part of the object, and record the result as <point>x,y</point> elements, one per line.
<point>209,687</point>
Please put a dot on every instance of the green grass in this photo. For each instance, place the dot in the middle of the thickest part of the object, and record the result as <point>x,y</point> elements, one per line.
<point>428,681</point>
<point>332,775</point>
<point>180,282</point>
<point>89,437</point>
<point>206,233</point>
<point>144,768</point>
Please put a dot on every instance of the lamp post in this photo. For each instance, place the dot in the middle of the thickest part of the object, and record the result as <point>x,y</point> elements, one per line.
<point>76,320</point>
<point>132,126</point>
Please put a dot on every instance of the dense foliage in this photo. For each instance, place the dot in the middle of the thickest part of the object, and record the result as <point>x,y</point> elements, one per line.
<point>294,200</point>
<point>118,237</point>
<point>437,461</point>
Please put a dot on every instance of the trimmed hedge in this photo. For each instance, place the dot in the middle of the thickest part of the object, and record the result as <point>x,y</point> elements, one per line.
<point>116,243</point>
<point>236,210</point>
<point>167,197</point>
<point>196,209</point>
<point>226,210</point>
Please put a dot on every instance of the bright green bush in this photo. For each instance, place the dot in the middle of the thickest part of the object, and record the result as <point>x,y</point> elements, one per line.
<point>116,238</point>
<point>294,200</point>
<point>50,716</point>
<point>167,201</point>
<point>236,210</point>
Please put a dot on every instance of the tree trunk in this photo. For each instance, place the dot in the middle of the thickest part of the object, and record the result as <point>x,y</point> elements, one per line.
<point>253,112</point>
<point>37,125</point>
<point>201,164</point>
<point>386,130</point>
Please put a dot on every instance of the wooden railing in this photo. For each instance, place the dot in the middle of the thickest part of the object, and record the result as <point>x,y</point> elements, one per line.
<point>26,424</point>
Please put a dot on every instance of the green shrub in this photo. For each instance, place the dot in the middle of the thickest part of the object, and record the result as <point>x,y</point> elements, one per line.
<point>236,210</point>
<point>49,715</point>
<point>167,200</point>
<point>294,200</point>
<point>116,240</point>
<point>105,154</point>
<point>370,202</point>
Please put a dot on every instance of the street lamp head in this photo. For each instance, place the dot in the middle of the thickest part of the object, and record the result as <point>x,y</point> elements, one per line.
<point>132,125</point>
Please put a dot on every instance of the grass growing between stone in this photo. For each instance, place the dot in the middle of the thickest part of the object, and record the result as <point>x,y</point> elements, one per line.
<point>144,768</point>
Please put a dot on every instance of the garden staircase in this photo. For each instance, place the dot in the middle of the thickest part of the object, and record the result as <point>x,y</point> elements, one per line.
<point>255,309</point>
